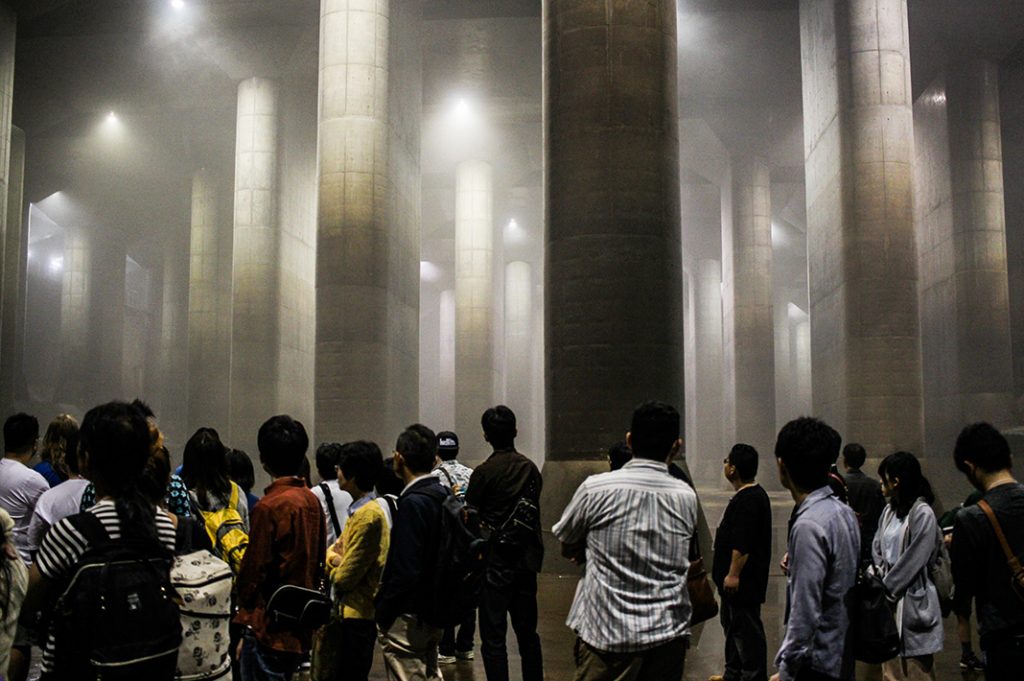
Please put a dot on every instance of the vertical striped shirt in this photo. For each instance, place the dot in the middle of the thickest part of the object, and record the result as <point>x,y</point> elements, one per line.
<point>63,546</point>
<point>637,523</point>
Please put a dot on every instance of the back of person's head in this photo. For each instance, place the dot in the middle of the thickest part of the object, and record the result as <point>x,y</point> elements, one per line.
<point>283,442</point>
<point>854,455</point>
<point>744,458</point>
<point>204,467</point>
<point>984,446</point>
<point>389,481</point>
<point>328,454</point>
<point>447,445</point>
<point>156,476</point>
<point>60,445</point>
<point>361,462</point>
<point>20,433</point>
<point>807,446</point>
<point>902,470</point>
<point>418,446</point>
<point>654,430</point>
<point>240,469</point>
<point>619,455</point>
<point>499,424</point>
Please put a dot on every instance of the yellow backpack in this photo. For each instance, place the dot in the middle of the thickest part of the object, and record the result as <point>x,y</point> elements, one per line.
<point>227,532</point>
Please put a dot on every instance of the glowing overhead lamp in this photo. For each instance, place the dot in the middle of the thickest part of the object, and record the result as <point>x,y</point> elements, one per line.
<point>178,4</point>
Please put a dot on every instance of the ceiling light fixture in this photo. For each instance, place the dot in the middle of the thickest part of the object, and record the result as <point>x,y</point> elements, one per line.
<point>178,4</point>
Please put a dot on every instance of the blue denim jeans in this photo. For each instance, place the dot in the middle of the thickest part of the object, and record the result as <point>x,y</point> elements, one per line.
<point>260,663</point>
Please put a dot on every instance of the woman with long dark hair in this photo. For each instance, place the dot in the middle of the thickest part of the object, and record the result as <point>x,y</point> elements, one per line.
<point>906,544</point>
<point>205,472</point>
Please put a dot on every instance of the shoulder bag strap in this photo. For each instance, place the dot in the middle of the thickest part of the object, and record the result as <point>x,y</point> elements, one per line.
<point>1011,558</point>
<point>448,477</point>
<point>330,508</point>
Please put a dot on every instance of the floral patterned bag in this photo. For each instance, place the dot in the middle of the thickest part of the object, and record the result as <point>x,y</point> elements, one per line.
<point>203,583</point>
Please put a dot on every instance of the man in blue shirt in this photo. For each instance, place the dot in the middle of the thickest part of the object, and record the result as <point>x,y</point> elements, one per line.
<point>824,545</point>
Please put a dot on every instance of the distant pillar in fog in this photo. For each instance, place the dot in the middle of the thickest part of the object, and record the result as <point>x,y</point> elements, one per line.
<point>367,285</point>
<point>748,331</point>
<point>984,358</point>
<point>174,342</point>
<point>704,447</point>
<point>11,178</point>
<point>209,369</point>
<point>519,340</point>
<point>447,362</point>
<point>15,253</point>
<point>107,323</point>
<point>255,268</point>
<point>613,273</point>
<point>862,260</point>
<point>474,304</point>
<point>75,302</point>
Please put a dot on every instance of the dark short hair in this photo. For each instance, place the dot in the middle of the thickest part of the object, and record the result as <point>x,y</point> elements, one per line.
<point>144,408</point>
<point>362,462</point>
<point>282,442</point>
<point>984,446</point>
<point>115,437</point>
<point>744,458</point>
<point>418,446</point>
<point>808,448</point>
<point>619,455</point>
<point>240,469</point>
<point>20,433</point>
<point>389,482</point>
<point>328,454</point>
<point>499,424</point>
<point>854,455</point>
<point>655,428</point>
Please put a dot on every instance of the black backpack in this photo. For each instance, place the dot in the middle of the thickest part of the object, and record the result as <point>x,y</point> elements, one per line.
<point>459,567</point>
<point>117,618</point>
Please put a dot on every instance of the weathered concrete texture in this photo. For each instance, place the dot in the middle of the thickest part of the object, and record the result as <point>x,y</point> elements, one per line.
<point>747,322</point>
<point>1011,102</point>
<point>965,316</point>
<point>613,280</point>
<point>255,305</point>
<point>367,286</point>
<point>474,302</point>
<point>706,445</point>
<point>430,358</point>
<point>296,260</point>
<point>862,261</point>
<point>519,341</point>
<point>446,321</point>
<point>209,358</point>
<point>76,299</point>
<point>15,253</point>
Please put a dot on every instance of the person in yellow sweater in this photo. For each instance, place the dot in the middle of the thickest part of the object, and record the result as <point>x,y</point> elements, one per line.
<point>355,562</point>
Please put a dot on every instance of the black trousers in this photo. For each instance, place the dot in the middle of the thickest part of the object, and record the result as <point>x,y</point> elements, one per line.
<point>746,650</point>
<point>450,643</point>
<point>516,601</point>
<point>1004,659</point>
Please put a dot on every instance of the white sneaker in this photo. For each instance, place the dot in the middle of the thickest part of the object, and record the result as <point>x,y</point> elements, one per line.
<point>446,659</point>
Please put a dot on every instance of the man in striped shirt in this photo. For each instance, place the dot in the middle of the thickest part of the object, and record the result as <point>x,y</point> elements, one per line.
<point>632,528</point>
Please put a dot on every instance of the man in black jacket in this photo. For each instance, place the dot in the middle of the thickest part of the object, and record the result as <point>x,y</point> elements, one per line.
<point>505,491</point>
<point>865,496</point>
<point>409,642</point>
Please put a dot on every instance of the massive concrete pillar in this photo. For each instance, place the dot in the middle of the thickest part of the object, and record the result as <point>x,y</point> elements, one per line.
<point>209,359</point>
<point>748,329</point>
<point>446,320</point>
<point>11,181</point>
<point>108,316</point>
<point>174,342</point>
<point>474,302</point>
<point>613,280</point>
<point>706,442</point>
<point>519,341</point>
<point>858,142</point>
<point>15,253</point>
<point>75,310</point>
<point>253,395</point>
<point>985,362</point>
<point>367,286</point>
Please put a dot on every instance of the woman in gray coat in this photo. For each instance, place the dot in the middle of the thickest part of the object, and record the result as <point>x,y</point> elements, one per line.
<point>905,546</point>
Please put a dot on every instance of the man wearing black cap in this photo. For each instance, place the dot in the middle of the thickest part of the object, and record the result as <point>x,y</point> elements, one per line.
<point>454,476</point>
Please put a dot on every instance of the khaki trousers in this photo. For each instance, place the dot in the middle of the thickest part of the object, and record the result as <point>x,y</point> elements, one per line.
<point>663,663</point>
<point>909,669</point>
<point>410,650</point>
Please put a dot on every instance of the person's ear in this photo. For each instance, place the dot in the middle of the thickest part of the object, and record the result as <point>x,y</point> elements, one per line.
<point>629,440</point>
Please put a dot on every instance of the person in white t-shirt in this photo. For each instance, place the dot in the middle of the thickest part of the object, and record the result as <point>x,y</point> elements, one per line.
<point>334,501</point>
<point>65,499</point>
<point>20,486</point>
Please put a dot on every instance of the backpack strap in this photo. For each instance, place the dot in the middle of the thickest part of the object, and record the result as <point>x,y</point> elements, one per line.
<point>1016,570</point>
<point>330,508</point>
<point>447,476</point>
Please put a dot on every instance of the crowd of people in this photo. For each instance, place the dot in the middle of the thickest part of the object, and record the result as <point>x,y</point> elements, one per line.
<point>115,566</point>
